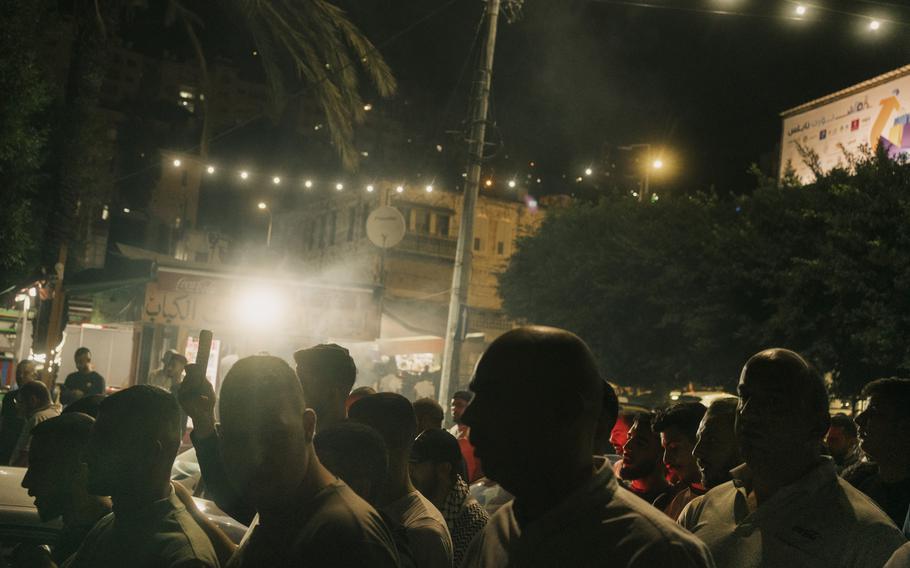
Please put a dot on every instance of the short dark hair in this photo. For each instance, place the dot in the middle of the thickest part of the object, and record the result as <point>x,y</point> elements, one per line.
<point>82,351</point>
<point>86,405</point>
<point>144,411</point>
<point>644,419</point>
<point>391,415</point>
<point>67,435</point>
<point>438,446</point>
<point>363,391</point>
<point>36,389</point>
<point>330,362</point>
<point>21,365</point>
<point>610,412</point>
<point>685,415</point>
<point>845,423</point>
<point>353,450</point>
<point>430,409</point>
<point>466,396</point>
<point>895,391</point>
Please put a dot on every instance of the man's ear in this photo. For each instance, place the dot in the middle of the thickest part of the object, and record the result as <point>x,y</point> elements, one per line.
<point>309,424</point>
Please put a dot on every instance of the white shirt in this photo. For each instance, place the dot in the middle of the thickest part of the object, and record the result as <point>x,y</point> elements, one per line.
<point>820,520</point>
<point>428,536</point>
<point>601,524</point>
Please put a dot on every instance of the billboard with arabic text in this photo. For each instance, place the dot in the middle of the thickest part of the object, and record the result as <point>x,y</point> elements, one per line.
<point>867,116</point>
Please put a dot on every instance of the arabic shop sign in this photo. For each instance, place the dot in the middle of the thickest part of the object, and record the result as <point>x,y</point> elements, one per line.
<point>873,116</point>
<point>202,302</point>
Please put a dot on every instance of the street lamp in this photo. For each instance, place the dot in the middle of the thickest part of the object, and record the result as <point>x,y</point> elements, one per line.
<point>655,164</point>
<point>264,207</point>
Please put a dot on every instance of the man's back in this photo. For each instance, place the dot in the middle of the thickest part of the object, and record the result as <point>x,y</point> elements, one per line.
<point>335,529</point>
<point>10,426</point>
<point>600,524</point>
<point>428,535</point>
<point>163,535</point>
<point>820,520</point>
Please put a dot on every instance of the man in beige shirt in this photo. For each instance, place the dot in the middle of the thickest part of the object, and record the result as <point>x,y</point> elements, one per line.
<point>786,506</point>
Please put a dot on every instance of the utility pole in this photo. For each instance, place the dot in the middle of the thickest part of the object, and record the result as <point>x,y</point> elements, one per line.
<point>461,275</point>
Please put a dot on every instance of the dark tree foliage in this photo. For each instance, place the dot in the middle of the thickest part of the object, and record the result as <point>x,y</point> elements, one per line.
<point>22,137</point>
<point>687,288</point>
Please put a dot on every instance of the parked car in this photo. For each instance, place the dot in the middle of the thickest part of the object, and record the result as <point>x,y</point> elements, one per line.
<point>20,524</point>
<point>704,397</point>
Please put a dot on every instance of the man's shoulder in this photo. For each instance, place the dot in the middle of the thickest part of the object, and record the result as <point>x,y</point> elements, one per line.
<point>180,539</point>
<point>863,511</point>
<point>342,512</point>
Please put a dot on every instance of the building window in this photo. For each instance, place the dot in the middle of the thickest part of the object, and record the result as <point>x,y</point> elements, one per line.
<point>476,244</point>
<point>500,248</point>
<point>333,221</point>
<point>442,225</point>
<point>422,221</point>
<point>352,223</point>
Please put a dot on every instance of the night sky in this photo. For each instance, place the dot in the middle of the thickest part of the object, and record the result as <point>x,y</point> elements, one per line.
<point>573,77</point>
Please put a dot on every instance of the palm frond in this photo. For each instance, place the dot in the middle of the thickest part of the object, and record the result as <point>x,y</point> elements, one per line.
<point>316,41</point>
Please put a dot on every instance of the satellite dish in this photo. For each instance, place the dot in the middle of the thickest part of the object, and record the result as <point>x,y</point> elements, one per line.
<point>386,227</point>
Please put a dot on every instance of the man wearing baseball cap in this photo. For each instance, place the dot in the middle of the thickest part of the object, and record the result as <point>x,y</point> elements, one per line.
<point>437,470</point>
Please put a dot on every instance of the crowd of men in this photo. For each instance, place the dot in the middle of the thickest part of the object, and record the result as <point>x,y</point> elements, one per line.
<point>327,476</point>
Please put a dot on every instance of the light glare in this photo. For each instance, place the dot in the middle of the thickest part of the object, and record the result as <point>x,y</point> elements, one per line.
<point>210,169</point>
<point>244,175</point>
<point>308,184</point>
<point>370,189</point>
<point>399,189</point>
<point>588,171</point>
<point>262,205</point>
<point>177,163</point>
<point>276,180</point>
<point>339,186</point>
<point>658,164</point>
<point>800,10</point>
<point>429,189</point>
<point>874,25</point>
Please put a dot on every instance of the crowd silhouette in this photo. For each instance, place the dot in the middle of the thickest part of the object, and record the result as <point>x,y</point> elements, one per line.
<point>543,467</point>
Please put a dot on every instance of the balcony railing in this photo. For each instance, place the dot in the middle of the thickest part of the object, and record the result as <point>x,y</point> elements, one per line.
<point>442,247</point>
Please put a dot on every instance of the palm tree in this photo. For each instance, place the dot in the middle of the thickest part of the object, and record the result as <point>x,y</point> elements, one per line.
<point>312,39</point>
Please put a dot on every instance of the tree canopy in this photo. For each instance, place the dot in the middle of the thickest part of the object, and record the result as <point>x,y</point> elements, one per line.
<point>687,288</point>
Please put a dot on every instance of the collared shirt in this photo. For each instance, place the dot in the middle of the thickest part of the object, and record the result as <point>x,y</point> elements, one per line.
<point>163,535</point>
<point>600,524</point>
<point>335,528</point>
<point>464,516</point>
<point>818,521</point>
<point>680,501</point>
<point>428,535</point>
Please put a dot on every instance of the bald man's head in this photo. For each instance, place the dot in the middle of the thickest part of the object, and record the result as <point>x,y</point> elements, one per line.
<point>543,362</point>
<point>534,378</point>
<point>783,409</point>
<point>266,429</point>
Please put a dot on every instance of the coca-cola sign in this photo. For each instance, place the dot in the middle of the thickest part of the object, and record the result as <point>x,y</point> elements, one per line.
<point>192,285</point>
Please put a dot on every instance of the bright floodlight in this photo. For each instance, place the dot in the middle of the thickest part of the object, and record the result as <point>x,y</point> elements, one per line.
<point>874,25</point>
<point>588,171</point>
<point>262,205</point>
<point>399,189</point>
<point>658,164</point>
<point>308,184</point>
<point>370,189</point>
<point>512,183</point>
<point>177,163</point>
<point>488,183</point>
<point>126,210</point>
<point>258,307</point>
<point>244,174</point>
<point>276,180</point>
<point>339,186</point>
<point>429,189</point>
<point>210,169</point>
<point>800,10</point>
<point>368,107</point>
